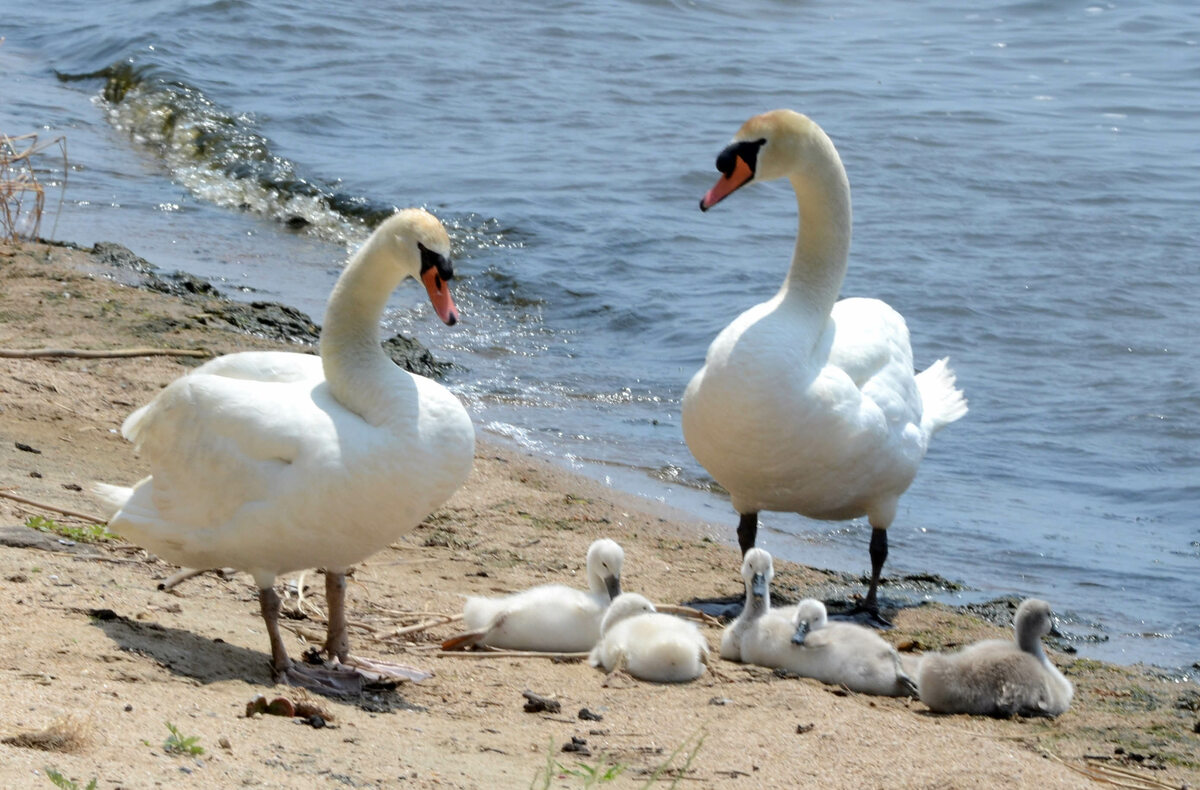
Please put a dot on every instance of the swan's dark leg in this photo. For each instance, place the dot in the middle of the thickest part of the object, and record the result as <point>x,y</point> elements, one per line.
<point>337,639</point>
<point>269,603</point>
<point>867,612</point>
<point>870,604</point>
<point>323,680</point>
<point>747,531</point>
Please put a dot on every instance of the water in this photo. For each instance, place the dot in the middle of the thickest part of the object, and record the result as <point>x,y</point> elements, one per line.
<point>1024,178</point>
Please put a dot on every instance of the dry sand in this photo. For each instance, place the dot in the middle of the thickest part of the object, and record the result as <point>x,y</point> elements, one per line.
<point>90,646</point>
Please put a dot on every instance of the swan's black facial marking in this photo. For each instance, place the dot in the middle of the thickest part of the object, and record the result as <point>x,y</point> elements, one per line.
<point>435,260</point>
<point>746,150</point>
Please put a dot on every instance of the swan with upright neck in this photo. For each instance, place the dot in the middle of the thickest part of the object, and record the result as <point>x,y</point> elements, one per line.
<point>272,462</point>
<point>999,677</point>
<point>805,403</point>
<point>758,569</point>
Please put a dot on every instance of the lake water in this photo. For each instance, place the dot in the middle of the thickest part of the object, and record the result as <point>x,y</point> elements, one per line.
<point>1025,181</point>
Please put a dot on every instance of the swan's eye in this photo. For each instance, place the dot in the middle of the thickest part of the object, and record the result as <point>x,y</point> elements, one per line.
<point>746,150</point>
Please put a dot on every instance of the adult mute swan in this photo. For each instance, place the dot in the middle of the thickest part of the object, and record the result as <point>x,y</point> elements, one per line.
<point>552,618</point>
<point>998,677</point>
<point>648,644</point>
<point>271,462</point>
<point>805,403</point>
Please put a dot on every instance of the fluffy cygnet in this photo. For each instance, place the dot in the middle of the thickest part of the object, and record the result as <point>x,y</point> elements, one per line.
<point>998,677</point>
<point>648,644</point>
<point>843,654</point>
<point>551,617</point>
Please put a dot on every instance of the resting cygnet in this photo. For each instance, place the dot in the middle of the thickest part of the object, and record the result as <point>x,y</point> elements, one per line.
<point>551,618</point>
<point>648,644</point>
<point>997,677</point>
<point>757,572</point>
<point>839,653</point>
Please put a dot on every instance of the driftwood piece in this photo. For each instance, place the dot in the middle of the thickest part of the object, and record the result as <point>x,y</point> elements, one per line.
<point>79,353</point>
<point>536,703</point>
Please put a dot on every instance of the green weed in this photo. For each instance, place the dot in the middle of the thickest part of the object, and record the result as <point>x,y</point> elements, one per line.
<point>95,533</point>
<point>58,780</point>
<point>178,743</point>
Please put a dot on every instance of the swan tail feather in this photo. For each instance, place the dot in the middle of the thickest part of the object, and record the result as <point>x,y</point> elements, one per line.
<point>942,401</point>
<point>112,498</point>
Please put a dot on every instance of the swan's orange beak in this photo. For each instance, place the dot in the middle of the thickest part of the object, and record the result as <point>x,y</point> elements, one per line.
<point>728,184</point>
<point>439,296</point>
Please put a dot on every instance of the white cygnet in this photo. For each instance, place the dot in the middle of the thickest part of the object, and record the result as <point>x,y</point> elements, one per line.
<point>551,617</point>
<point>843,654</point>
<point>648,644</point>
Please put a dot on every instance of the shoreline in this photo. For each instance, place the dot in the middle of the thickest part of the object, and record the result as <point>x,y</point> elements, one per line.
<point>520,520</point>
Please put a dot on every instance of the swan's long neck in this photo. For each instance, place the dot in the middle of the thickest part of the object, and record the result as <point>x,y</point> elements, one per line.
<point>1029,639</point>
<point>755,606</point>
<point>355,366</point>
<point>823,238</point>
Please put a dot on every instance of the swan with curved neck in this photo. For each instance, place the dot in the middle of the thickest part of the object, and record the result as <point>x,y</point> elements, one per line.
<point>648,644</point>
<point>551,618</point>
<point>999,677</point>
<point>805,403</point>
<point>272,462</point>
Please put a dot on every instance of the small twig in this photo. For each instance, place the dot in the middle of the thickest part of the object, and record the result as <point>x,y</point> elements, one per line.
<point>88,517</point>
<point>412,629</point>
<point>37,353</point>
<point>1110,774</point>
<point>690,613</point>
<point>491,652</point>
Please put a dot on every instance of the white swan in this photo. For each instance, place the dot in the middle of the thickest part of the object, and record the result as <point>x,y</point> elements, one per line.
<point>805,403</point>
<point>551,617</point>
<point>843,654</point>
<point>648,644</point>
<point>272,462</point>
<point>998,677</point>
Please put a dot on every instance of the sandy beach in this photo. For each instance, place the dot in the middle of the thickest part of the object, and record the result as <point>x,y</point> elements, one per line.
<point>94,651</point>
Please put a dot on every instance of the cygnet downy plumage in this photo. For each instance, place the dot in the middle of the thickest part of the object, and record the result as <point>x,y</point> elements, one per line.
<point>757,572</point>
<point>843,654</point>
<point>998,677</point>
<point>648,644</point>
<point>551,617</point>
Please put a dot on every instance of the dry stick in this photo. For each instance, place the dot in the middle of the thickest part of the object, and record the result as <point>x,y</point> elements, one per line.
<point>412,629</point>
<point>90,518</point>
<point>690,613</point>
<point>493,653</point>
<point>1107,773</point>
<point>35,353</point>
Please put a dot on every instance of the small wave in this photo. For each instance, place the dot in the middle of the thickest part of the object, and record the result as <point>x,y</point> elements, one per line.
<point>221,157</point>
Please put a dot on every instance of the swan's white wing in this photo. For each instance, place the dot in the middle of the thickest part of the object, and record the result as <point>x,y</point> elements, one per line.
<point>871,345</point>
<point>216,443</point>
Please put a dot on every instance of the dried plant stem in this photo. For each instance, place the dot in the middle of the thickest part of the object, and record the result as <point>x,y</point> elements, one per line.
<point>491,652</point>
<point>39,353</point>
<point>88,517</point>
